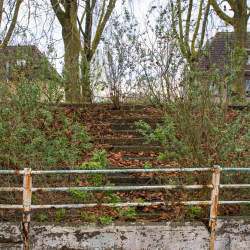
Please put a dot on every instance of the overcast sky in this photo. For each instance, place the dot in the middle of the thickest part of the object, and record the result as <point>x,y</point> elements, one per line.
<point>44,29</point>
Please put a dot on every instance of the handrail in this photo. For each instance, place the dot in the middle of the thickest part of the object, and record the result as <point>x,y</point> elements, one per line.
<point>214,202</point>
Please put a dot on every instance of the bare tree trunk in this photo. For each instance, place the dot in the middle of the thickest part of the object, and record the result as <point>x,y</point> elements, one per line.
<point>239,57</point>
<point>86,80</point>
<point>239,22</point>
<point>72,44</point>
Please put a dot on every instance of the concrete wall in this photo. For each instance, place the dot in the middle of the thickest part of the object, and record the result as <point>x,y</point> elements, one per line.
<point>11,236</point>
<point>232,233</point>
<point>168,236</point>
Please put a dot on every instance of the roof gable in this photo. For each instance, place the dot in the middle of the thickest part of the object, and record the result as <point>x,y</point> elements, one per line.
<point>38,66</point>
<point>219,51</point>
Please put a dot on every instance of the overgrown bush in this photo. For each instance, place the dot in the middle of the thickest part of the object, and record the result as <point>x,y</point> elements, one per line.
<point>198,129</point>
<point>34,131</point>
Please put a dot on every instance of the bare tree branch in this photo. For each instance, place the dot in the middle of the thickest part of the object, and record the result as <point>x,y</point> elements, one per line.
<point>190,7</point>
<point>58,11</point>
<point>221,14</point>
<point>101,27</point>
<point>1,11</point>
<point>12,25</point>
<point>196,28</point>
<point>204,24</point>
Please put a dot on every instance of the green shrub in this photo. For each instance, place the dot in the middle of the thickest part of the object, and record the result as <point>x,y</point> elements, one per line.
<point>37,134</point>
<point>194,212</point>
<point>59,214</point>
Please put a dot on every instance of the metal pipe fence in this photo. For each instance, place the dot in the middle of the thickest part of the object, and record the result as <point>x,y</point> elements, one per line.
<point>214,202</point>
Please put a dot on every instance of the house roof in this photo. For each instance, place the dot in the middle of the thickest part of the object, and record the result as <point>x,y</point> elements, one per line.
<point>12,53</point>
<point>219,50</point>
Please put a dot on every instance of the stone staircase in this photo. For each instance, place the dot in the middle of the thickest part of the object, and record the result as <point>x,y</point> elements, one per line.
<point>116,132</point>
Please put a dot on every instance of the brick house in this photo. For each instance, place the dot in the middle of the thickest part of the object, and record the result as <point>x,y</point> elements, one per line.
<point>220,53</point>
<point>26,62</point>
<point>25,59</point>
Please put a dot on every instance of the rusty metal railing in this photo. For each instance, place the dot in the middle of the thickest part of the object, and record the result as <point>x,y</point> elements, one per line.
<point>214,202</point>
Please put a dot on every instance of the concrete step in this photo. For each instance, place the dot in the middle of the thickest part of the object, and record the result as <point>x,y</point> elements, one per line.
<point>113,126</point>
<point>135,149</point>
<point>127,112</point>
<point>116,132</point>
<point>136,167</point>
<point>128,180</point>
<point>128,126</point>
<point>99,106</point>
<point>139,158</point>
<point>125,120</point>
<point>138,163</point>
<point>125,141</point>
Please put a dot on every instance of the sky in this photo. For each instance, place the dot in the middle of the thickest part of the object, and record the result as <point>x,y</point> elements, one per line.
<point>44,30</point>
<point>37,25</point>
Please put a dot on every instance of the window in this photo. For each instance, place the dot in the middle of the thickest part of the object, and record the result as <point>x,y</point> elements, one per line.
<point>211,85</point>
<point>20,62</point>
<point>7,68</point>
<point>247,90</point>
<point>248,57</point>
<point>248,60</point>
<point>213,88</point>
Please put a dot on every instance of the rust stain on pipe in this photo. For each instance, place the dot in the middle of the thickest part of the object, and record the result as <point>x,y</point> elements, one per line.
<point>214,205</point>
<point>27,192</point>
